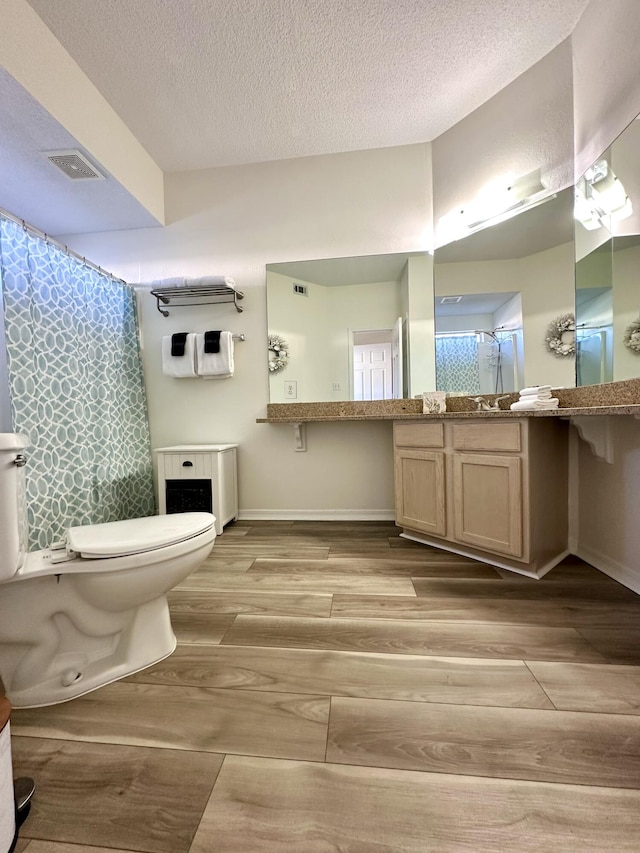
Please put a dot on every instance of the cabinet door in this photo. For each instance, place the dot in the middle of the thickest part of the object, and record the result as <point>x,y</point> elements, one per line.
<point>487,502</point>
<point>420,490</point>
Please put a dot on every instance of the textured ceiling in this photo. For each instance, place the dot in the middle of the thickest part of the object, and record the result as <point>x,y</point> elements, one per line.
<point>206,83</point>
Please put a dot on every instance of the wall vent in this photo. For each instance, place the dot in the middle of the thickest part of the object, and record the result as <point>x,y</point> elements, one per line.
<point>450,300</point>
<point>74,165</point>
<point>300,289</point>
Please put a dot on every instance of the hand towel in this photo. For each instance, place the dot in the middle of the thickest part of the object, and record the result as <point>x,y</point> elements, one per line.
<point>535,389</point>
<point>218,365</point>
<point>212,341</point>
<point>535,405</point>
<point>178,343</point>
<point>544,395</point>
<point>179,366</point>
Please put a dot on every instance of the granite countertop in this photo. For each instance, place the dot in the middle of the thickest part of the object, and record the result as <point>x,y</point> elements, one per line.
<point>503,413</point>
<point>612,398</point>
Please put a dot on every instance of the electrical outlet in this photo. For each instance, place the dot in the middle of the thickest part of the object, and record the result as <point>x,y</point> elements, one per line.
<point>291,390</point>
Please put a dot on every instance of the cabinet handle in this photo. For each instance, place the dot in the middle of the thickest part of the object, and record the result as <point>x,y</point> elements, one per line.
<point>187,464</point>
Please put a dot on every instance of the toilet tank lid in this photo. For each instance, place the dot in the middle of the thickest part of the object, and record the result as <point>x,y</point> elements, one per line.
<point>136,535</point>
<point>13,441</point>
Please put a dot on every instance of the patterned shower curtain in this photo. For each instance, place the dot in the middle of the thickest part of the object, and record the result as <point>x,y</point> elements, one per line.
<point>457,366</point>
<point>76,385</point>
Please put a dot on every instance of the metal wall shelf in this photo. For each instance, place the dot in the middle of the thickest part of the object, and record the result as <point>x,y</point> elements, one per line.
<point>196,294</point>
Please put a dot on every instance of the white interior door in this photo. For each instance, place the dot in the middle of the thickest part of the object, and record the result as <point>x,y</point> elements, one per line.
<point>397,361</point>
<point>372,371</point>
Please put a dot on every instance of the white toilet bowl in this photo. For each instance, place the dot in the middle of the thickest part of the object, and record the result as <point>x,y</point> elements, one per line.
<point>92,609</point>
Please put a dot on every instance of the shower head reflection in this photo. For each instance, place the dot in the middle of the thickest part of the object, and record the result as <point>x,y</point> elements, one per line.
<point>489,334</point>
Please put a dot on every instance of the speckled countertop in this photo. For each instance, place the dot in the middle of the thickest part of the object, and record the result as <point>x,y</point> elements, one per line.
<point>612,398</point>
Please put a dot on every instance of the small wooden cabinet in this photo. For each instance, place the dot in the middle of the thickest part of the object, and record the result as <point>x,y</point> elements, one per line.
<point>199,477</point>
<point>493,489</point>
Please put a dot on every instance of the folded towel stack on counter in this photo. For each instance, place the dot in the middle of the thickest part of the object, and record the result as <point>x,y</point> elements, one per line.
<point>535,398</point>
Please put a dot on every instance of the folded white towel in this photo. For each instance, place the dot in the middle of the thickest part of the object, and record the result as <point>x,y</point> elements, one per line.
<point>536,389</point>
<point>215,365</point>
<point>179,366</point>
<point>206,281</point>
<point>546,395</point>
<point>533,405</point>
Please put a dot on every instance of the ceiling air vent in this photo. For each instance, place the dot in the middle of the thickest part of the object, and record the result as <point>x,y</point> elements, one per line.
<point>450,300</point>
<point>74,165</point>
<point>300,289</point>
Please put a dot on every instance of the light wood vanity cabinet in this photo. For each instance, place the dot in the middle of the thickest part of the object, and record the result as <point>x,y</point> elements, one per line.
<point>495,490</point>
<point>420,485</point>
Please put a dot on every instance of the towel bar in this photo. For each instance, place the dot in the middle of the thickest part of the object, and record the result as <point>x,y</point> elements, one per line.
<point>211,294</point>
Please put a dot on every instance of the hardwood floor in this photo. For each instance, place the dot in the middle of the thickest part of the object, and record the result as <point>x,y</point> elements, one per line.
<point>336,687</point>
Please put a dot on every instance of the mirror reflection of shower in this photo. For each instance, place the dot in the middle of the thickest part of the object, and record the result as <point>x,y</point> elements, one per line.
<point>479,345</point>
<point>495,353</point>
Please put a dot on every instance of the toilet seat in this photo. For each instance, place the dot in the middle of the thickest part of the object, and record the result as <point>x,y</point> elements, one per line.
<point>136,535</point>
<point>185,532</point>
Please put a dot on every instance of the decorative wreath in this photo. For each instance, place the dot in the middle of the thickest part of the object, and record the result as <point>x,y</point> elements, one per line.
<point>561,336</point>
<point>280,349</point>
<point>631,337</point>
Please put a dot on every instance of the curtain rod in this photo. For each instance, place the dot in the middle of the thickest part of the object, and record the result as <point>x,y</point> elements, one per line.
<point>38,233</point>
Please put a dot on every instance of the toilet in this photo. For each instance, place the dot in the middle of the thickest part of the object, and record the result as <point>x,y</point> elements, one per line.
<point>91,608</point>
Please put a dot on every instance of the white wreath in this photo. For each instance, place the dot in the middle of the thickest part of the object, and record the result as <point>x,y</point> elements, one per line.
<point>280,349</point>
<point>631,337</point>
<point>561,336</point>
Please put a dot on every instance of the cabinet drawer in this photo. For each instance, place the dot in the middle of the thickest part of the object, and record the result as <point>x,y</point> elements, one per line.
<point>177,466</point>
<point>487,436</point>
<point>418,435</point>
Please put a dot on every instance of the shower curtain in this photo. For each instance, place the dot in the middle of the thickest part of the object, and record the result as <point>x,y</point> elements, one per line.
<point>76,388</point>
<point>457,363</point>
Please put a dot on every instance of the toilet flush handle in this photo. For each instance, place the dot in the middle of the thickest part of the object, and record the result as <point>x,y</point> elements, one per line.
<point>20,461</point>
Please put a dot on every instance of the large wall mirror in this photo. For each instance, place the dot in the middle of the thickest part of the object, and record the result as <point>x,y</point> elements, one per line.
<point>375,327</point>
<point>608,264</point>
<point>355,328</point>
<point>496,293</point>
<point>473,318</point>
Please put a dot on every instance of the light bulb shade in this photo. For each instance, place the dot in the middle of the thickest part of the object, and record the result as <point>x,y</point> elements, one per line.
<point>609,193</point>
<point>584,210</point>
<point>601,196</point>
<point>527,186</point>
<point>623,212</point>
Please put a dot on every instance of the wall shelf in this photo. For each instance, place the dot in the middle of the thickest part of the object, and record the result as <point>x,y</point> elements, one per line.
<point>195,294</point>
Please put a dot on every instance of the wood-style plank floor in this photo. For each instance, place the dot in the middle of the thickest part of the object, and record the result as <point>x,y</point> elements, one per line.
<point>339,688</point>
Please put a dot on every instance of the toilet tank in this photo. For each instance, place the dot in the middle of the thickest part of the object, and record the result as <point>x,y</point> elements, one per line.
<point>13,514</point>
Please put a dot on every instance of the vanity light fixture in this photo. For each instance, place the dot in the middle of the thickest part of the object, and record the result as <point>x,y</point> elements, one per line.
<point>509,200</point>
<point>497,202</point>
<point>600,195</point>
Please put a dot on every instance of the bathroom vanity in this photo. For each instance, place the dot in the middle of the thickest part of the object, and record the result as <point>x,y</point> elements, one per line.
<point>494,490</point>
<point>494,485</point>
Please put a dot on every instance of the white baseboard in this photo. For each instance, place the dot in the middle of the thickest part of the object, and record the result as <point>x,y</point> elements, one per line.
<point>619,572</point>
<point>317,515</point>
